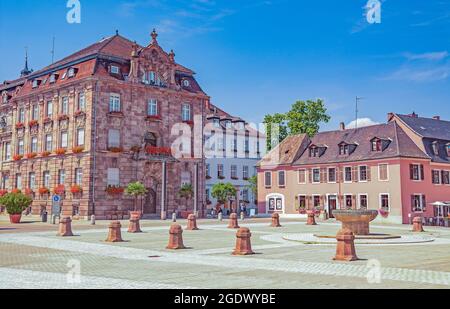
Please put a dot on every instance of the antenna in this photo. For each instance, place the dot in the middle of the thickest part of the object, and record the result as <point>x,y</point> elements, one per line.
<point>358,99</point>
<point>53,50</point>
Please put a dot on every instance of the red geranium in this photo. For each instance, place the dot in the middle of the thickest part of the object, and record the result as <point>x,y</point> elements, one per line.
<point>3,192</point>
<point>59,189</point>
<point>158,151</point>
<point>31,155</point>
<point>43,191</point>
<point>19,125</point>
<point>63,117</point>
<point>18,157</point>
<point>115,190</point>
<point>16,191</point>
<point>46,154</point>
<point>78,149</point>
<point>33,123</point>
<point>28,191</point>
<point>61,151</point>
<point>76,189</point>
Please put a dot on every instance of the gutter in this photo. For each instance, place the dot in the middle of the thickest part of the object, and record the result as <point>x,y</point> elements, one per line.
<point>94,145</point>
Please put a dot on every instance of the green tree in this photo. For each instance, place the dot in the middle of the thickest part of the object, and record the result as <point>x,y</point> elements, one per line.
<point>186,192</point>
<point>15,203</point>
<point>223,192</point>
<point>303,118</point>
<point>136,190</point>
<point>253,186</point>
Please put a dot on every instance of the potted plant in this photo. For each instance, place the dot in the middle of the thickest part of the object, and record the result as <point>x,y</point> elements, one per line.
<point>136,190</point>
<point>15,191</point>
<point>15,204</point>
<point>61,151</point>
<point>31,155</point>
<point>29,192</point>
<point>223,192</point>
<point>114,190</point>
<point>46,154</point>
<point>63,117</point>
<point>383,212</point>
<point>76,189</point>
<point>18,157</point>
<point>59,190</point>
<point>78,149</point>
<point>33,123</point>
<point>44,191</point>
<point>19,125</point>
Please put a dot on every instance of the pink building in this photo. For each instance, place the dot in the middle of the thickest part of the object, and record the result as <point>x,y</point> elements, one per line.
<point>399,168</point>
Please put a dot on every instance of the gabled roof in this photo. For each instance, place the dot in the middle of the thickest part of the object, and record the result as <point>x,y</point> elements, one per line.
<point>287,152</point>
<point>427,127</point>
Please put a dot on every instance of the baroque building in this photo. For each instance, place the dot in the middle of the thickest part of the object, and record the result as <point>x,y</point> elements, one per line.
<point>112,113</point>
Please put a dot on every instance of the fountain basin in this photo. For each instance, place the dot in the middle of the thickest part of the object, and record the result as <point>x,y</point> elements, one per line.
<point>356,220</point>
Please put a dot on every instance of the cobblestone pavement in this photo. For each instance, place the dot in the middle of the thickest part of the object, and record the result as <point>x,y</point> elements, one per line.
<point>32,256</point>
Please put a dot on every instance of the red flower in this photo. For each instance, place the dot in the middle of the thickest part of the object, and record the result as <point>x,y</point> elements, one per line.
<point>154,117</point>
<point>47,120</point>
<point>115,149</point>
<point>28,191</point>
<point>113,190</point>
<point>46,154</point>
<point>76,189</point>
<point>31,155</point>
<point>33,123</point>
<point>63,117</point>
<point>61,151</point>
<point>158,151</point>
<point>19,125</point>
<point>43,191</point>
<point>79,113</point>
<point>18,157</point>
<point>59,189</point>
<point>3,192</point>
<point>16,191</point>
<point>78,149</point>
<point>189,122</point>
<point>383,213</point>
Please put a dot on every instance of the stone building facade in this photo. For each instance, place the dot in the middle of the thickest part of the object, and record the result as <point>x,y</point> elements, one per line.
<point>110,114</point>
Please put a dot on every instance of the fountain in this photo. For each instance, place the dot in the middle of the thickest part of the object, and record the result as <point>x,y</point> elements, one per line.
<point>356,221</point>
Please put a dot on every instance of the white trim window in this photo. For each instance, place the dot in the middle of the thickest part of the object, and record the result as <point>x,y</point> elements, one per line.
<point>7,151</point>
<point>113,177</point>
<point>152,108</point>
<point>34,144</point>
<point>245,172</point>
<point>220,171</point>
<point>79,176</point>
<point>49,109</point>
<point>20,147</point>
<point>65,105</point>
<point>47,178</point>
<point>186,112</point>
<point>315,175</point>
<point>48,142</point>
<point>363,201</point>
<point>418,202</point>
<point>114,103</point>
<point>81,101</point>
<point>32,180</point>
<point>281,179</point>
<point>113,138</point>
<point>332,175</point>
<point>21,115</point>
<point>64,140</point>
<point>268,179</point>
<point>348,173</point>
<point>114,69</point>
<point>80,137</point>
<point>35,112</point>
<point>385,202</point>
<point>363,173</point>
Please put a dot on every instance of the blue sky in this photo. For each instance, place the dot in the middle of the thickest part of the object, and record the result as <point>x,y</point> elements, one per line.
<point>259,56</point>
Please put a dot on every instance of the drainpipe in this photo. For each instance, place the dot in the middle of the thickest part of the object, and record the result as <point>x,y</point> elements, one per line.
<point>94,144</point>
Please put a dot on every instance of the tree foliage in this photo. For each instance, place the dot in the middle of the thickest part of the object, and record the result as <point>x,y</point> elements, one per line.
<point>135,189</point>
<point>303,118</point>
<point>223,192</point>
<point>253,185</point>
<point>15,203</point>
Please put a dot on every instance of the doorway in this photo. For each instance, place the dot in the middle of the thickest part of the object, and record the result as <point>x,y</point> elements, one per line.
<point>150,203</point>
<point>332,205</point>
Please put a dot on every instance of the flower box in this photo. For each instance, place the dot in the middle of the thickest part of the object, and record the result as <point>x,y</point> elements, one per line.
<point>59,190</point>
<point>44,191</point>
<point>16,191</point>
<point>31,155</point>
<point>18,157</point>
<point>155,117</point>
<point>189,122</point>
<point>46,154</point>
<point>47,120</point>
<point>158,151</point>
<point>235,178</point>
<point>221,177</point>
<point>115,149</point>
<point>135,149</point>
<point>3,192</point>
<point>28,191</point>
<point>63,117</point>
<point>19,125</point>
<point>115,114</point>
<point>113,190</point>
<point>79,113</point>
<point>33,123</point>
<point>76,189</point>
<point>61,151</point>
<point>208,177</point>
<point>78,149</point>
<point>384,213</point>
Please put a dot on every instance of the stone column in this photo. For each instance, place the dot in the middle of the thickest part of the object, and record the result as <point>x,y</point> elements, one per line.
<point>275,220</point>
<point>311,218</point>
<point>345,250</point>
<point>243,242</point>
<point>115,234</point>
<point>233,224</point>
<point>175,238</point>
<point>417,225</point>
<point>65,227</point>
<point>163,191</point>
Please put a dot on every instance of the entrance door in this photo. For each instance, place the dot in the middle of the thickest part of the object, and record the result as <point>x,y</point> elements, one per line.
<point>150,203</point>
<point>332,204</point>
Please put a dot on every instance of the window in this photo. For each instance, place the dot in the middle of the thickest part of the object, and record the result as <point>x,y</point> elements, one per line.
<point>20,147</point>
<point>316,201</point>
<point>245,195</point>
<point>35,83</point>
<point>234,171</point>
<point>186,112</point>
<point>363,201</point>
<point>363,173</point>
<point>208,195</point>
<point>46,177</point>
<point>220,171</point>
<point>302,201</point>
<point>63,141</point>
<point>71,72</point>
<point>152,77</point>
<point>332,175</point>
<point>448,150</point>
<point>114,103</point>
<point>314,152</point>
<point>416,172</point>
<point>383,172</point>
<point>21,115</point>
<point>7,151</point>
<point>220,144</point>
<point>435,146</point>
<point>5,182</point>
<point>65,105</point>
<point>376,145</point>
<point>34,144</point>
<point>18,181</point>
<point>61,177</point>
<point>418,203</point>
<point>208,170</point>
<point>80,137</point>
<point>32,181</point>
<point>52,79</point>
<point>348,201</point>
<point>436,177</point>
<point>302,176</point>
<point>316,175</point>
<point>216,123</point>
<point>445,177</point>
<point>152,109</point>
<point>228,124</point>
<point>247,145</point>
<point>348,174</point>
<point>113,177</point>
<point>49,109</point>
<point>245,172</point>
<point>78,176</point>
<point>81,101</point>
<point>186,83</point>
<point>114,69</point>
<point>343,149</point>
<point>113,138</point>
<point>281,178</point>
<point>384,202</point>
<point>48,142</point>
<point>268,179</point>
<point>35,112</point>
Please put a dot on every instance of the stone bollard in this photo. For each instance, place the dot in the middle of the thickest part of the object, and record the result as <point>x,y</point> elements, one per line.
<point>93,220</point>
<point>243,242</point>
<point>220,217</point>
<point>115,234</point>
<point>233,224</point>
<point>134,226</point>
<point>176,238</point>
<point>417,225</point>
<point>174,217</point>
<point>65,227</point>
<point>311,218</point>
<point>275,220</point>
<point>192,223</point>
<point>242,216</point>
<point>345,250</point>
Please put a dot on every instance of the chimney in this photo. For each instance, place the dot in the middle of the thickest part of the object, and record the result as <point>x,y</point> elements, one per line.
<point>389,116</point>
<point>342,126</point>
<point>414,115</point>
<point>437,117</point>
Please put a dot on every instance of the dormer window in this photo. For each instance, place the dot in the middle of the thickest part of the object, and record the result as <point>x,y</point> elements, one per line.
<point>186,83</point>
<point>228,124</point>
<point>216,123</point>
<point>114,69</point>
<point>343,149</point>
<point>36,83</point>
<point>435,147</point>
<point>377,145</point>
<point>314,151</point>
<point>71,72</point>
<point>4,98</point>
<point>53,78</point>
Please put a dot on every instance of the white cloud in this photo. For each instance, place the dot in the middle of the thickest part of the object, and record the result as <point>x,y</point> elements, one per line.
<point>362,122</point>
<point>432,56</point>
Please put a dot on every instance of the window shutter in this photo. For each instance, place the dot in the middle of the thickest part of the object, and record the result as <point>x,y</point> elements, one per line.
<point>323,175</point>
<point>354,201</point>
<point>369,173</point>
<point>310,172</point>
<point>355,174</point>
<point>412,203</point>
<point>411,172</point>
<point>424,203</point>
<point>422,176</point>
